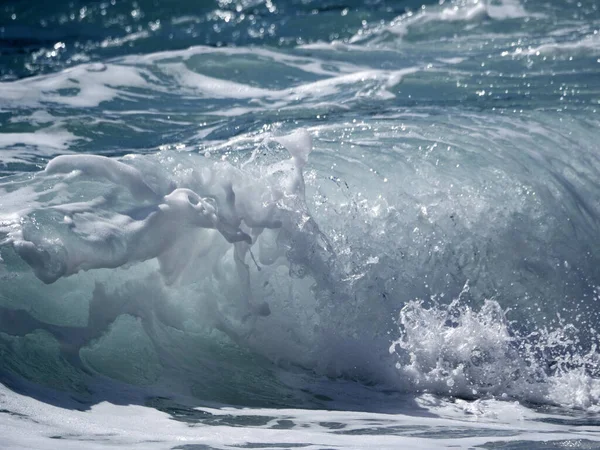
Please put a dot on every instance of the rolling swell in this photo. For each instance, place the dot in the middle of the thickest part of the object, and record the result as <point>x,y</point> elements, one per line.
<point>442,236</point>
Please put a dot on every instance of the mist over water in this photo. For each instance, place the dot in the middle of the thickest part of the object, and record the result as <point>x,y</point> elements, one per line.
<point>381,207</point>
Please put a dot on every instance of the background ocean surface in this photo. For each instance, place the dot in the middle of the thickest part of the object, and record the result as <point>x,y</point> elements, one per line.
<point>300,224</point>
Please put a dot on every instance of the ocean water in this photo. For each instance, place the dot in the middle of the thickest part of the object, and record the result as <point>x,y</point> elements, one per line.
<point>300,224</point>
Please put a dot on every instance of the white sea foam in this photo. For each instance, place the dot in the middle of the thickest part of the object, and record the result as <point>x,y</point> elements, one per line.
<point>377,81</point>
<point>133,79</point>
<point>587,45</point>
<point>111,426</point>
<point>87,85</point>
<point>466,11</point>
<point>463,351</point>
<point>43,142</point>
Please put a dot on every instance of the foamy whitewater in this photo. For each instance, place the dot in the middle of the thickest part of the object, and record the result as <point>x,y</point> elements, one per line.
<point>300,224</point>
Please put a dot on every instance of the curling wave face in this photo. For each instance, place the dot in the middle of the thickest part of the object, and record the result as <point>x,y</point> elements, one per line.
<point>237,249</point>
<point>441,237</point>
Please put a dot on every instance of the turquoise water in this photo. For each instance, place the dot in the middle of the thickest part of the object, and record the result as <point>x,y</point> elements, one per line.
<point>279,224</point>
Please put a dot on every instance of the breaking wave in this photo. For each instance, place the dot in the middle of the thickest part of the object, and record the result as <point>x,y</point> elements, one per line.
<point>409,202</point>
